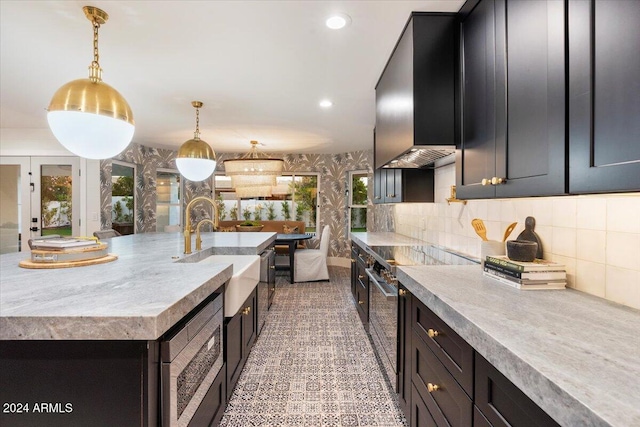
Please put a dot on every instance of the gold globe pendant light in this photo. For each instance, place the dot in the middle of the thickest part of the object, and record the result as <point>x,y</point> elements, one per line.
<point>196,160</point>
<point>87,116</point>
<point>254,174</point>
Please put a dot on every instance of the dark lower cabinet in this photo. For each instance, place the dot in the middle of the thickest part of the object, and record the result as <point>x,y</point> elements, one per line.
<point>210,412</point>
<point>266,286</point>
<point>502,403</point>
<point>354,269</point>
<point>479,420</point>
<point>447,402</point>
<point>448,382</point>
<point>240,334</point>
<point>449,348</point>
<point>404,349</point>
<point>360,282</point>
<point>604,96</point>
<point>420,415</point>
<point>79,383</point>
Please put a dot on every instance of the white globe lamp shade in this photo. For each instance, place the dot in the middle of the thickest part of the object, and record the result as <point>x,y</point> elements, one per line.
<point>195,169</point>
<point>88,135</point>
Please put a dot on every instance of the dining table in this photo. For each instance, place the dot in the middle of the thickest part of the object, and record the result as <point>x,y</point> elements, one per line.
<point>291,240</point>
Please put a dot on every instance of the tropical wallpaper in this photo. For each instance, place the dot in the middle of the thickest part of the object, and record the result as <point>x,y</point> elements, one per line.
<point>333,184</point>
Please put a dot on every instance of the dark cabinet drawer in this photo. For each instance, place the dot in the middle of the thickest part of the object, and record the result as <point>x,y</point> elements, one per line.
<point>420,416</point>
<point>210,411</point>
<point>479,420</point>
<point>502,403</point>
<point>446,400</point>
<point>453,351</point>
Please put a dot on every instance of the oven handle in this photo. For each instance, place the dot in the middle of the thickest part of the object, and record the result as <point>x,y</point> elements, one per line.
<point>374,279</point>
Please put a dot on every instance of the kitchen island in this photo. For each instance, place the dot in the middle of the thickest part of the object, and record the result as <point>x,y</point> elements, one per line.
<point>99,327</point>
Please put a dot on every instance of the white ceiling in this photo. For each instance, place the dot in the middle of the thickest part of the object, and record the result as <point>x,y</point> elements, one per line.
<point>260,67</point>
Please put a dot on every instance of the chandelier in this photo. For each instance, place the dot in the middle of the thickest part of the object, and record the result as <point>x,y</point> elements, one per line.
<point>254,174</point>
<point>196,160</point>
<point>87,116</point>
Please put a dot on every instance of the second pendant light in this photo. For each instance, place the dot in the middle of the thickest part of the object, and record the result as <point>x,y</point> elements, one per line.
<point>196,160</point>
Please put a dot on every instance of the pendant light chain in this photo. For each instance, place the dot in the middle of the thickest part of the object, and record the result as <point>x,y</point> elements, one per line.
<point>196,134</point>
<point>95,72</point>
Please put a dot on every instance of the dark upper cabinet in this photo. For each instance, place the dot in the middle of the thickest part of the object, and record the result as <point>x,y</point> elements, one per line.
<point>475,156</point>
<point>513,99</point>
<point>403,185</point>
<point>604,96</point>
<point>415,96</point>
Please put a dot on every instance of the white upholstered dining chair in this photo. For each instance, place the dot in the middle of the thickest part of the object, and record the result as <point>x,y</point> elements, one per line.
<point>311,264</point>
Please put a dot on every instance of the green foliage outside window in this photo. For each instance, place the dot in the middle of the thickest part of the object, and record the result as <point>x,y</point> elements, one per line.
<point>271,211</point>
<point>123,186</point>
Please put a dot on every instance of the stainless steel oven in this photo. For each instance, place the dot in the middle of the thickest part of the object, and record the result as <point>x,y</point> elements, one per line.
<point>383,317</point>
<point>191,359</point>
<point>383,293</point>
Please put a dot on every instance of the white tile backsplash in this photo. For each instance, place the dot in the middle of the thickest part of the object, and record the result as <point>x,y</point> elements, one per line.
<point>563,242</point>
<point>596,236</point>
<point>591,245</point>
<point>623,286</point>
<point>590,278</point>
<point>591,213</point>
<point>623,214</point>
<point>623,249</point>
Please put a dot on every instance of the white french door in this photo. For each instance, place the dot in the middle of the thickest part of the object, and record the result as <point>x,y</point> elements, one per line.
<point>40,196</point>
<point>15,203</point>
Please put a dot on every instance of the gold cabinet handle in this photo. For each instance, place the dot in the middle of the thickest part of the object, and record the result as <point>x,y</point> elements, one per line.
<point>273,267</point>
<point>497,181</point>
<point>360,302</point>
<point>353,261</point>
<point>432,387</point>
<point>494,181</point>
<point>360,276</point>
<point>402,292</point>
<point>246,310</point>
<point>432,333</point>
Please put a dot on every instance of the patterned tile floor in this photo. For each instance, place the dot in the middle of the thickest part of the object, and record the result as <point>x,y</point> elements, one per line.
<point>313,364</point>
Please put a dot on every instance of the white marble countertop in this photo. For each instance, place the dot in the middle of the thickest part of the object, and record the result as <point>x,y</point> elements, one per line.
<point>575,355</point>
<point>142,294</point>
<point>385,238</point>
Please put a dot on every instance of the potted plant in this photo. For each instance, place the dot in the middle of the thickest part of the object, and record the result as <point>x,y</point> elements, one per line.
<point>249,226</point>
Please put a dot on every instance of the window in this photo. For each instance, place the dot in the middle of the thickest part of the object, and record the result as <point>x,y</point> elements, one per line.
<point>294,198</point>
<point>358,200</point>
<point>168,202</point>
<point>123,197</point>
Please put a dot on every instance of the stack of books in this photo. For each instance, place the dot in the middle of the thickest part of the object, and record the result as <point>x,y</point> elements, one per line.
<point>539,274</point>
<point>59,243</point>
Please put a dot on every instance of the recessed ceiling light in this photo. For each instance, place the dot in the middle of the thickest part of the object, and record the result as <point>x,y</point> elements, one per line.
<point>337,21</point>
<point>325,103</point>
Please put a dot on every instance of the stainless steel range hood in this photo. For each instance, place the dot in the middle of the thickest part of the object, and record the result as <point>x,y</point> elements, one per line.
<point>423,157</point>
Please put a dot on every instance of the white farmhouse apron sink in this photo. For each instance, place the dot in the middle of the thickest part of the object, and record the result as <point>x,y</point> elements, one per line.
<point>246,275</point>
